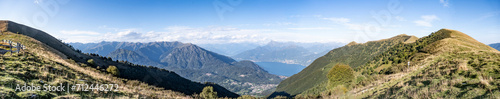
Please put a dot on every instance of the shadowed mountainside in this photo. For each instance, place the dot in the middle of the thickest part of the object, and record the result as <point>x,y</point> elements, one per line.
<point>192,62</point>
<point>352,54</point>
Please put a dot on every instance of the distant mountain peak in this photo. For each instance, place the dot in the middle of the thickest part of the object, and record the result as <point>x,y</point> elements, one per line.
<point>402,35</point>
<point>451,40</point>
<point>411,39</point>
<point>352,43</point>
<point>190,45</point>
<point>449,33</point>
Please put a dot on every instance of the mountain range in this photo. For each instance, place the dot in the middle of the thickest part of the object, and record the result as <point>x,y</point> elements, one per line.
<point>46,59</point>
<point>496,46</point>
<point>287,52</point>
<point>445,64</point>
<point>192,62</point>
<point>229,49</point>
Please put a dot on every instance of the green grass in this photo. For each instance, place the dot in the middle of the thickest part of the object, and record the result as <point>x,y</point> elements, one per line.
<point>455,66</point>
<point>32,66</point>
<point>445,64</point>
<point>26,68</point>
<point>354,55</point>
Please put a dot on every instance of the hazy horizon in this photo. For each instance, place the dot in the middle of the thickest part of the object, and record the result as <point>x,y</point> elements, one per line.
<point>253,21</point>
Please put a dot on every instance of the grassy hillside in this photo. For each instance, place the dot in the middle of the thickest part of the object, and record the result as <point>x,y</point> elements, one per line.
<point>352,54</point>
<point>445,64</point>
<point>63,50</point>
<point>37,65</point>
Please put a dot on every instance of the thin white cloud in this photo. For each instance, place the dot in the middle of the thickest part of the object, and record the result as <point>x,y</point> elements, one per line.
<point>202,35</point>
<point>426,20</point>
<point>178,28</point>
<point>305,16</point>
<point>108,28</point>
<point>487,15</point>
<point>399,18</point>
<point>78,32</point>
<point>444,2</point>
<point>212,34</point>
<point>279,24</point>
<point>347,22</point>
<point>312,28</point>
<point>338,20</point>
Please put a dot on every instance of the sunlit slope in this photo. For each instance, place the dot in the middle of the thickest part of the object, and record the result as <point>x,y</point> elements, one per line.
<point>50,41</point>
<point>39,64</point>
<point>352,54</point>
<point>450,65</point>
<point>445,64</point>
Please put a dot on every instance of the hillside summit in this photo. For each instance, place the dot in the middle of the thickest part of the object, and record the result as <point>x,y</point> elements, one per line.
<point>445,64</point>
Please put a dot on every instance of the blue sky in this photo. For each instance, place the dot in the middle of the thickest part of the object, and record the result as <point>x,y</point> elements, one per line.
<point>254,21</point>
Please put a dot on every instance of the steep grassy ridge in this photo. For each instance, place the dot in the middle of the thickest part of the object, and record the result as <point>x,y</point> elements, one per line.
<point>445,64</point>
<point>353,55</point>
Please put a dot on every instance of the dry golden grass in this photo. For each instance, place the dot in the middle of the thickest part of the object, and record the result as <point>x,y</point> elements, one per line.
<point>42,50</point>
<point>429,76</point>
<point>411,39</point>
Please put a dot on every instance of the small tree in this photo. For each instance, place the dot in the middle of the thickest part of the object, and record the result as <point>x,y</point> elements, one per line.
<point>208,93</point>
<point>280,97</point>
<point>113,70</point>
<point>340,74</point>
<point>246,97</point>
<point>91,62</point>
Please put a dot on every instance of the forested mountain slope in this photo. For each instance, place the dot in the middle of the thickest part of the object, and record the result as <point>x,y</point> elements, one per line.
<point>352,54</point>
<point>192,62</point>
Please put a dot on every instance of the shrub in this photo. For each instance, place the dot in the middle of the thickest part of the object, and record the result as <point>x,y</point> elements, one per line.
<point>340,74</point>
<point>113,70</point>
<point>208,93</point>
<point>359,79</point>
<point>83,65</point>
<point>280,97</point>
<point>338,90</point>
<point>246,97</point>
<point>91,62</point>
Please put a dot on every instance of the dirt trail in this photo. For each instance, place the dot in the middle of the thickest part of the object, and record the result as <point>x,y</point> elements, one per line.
<point>392,77</point>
